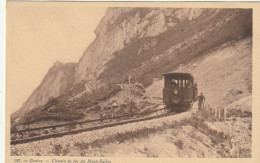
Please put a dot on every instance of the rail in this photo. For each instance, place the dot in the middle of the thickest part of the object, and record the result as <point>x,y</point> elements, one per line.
<point>82,122</point>
<point>53,135</point>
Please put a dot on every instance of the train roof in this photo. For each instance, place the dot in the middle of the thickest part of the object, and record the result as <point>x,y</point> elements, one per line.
<point>179,75</point>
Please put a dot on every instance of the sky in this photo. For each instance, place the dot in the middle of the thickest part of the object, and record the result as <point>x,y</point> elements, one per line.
<point>39,34</point>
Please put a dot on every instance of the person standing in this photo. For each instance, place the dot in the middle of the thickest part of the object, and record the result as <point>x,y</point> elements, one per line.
<point>201,99</point>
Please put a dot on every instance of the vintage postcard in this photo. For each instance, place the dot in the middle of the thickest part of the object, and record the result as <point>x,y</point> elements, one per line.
<point>103,82</point>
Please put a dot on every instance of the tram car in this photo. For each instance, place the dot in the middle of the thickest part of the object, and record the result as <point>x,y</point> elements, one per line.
<point>179,91</point>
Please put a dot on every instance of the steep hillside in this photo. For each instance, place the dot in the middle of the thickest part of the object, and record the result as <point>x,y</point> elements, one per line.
<point>142,43</point>
<point>224,75</point>
<point>116,100</point>
<point>149,57</point>
<point>58,79</point>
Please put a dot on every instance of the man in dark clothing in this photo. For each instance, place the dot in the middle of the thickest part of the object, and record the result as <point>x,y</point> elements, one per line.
<point>201,99</point>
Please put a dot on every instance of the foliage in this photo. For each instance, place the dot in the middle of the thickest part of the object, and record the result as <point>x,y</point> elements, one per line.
<point>179,143</point>
<point>59,150</point>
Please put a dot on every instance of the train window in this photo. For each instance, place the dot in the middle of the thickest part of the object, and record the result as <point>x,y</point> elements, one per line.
<point>180,83</point>
<point>174,83</point>
<point>187,83</point>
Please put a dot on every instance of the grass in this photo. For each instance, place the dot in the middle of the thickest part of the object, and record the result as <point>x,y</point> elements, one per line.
<point>122,137</point>
<point>59,150</point>
<point>244,153</point>
<point>60,114</point>
<point>63,112</point>
<point>217,139</point>
<point>238,113</point>
<point>15,152</point>
<point>223,149</point>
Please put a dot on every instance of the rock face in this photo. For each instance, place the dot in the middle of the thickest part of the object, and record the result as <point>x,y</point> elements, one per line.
<point>121,26</point>
<point>143,43</point>
<point>180,36</point>
<point>58,79</point>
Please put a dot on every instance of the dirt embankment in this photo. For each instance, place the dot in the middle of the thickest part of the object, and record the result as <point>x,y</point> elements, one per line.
<point>224,75</point>
<point>116,100</point>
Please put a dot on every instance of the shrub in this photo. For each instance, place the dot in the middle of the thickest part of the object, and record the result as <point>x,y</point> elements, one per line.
<point>57,150</point>
<point>52,101</point>
<point>179,143</point>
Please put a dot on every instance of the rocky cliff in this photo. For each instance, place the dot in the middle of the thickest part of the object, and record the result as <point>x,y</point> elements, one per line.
<point>143,43</point>
<point>121,27</point>
<point>184,35</point>
<point>59,78</point>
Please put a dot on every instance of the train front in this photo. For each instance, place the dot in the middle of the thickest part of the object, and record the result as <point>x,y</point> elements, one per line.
<point>179,90</point>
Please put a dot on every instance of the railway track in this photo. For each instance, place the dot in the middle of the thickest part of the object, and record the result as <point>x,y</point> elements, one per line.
<point>46,132</point>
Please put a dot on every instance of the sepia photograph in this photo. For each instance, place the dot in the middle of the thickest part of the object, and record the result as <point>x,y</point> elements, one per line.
<point>115,81</point>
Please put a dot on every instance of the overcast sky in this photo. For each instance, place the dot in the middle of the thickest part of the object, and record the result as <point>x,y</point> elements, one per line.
<point>38,34</point>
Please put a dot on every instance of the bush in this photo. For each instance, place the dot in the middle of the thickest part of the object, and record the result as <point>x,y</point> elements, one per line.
<point>58,150</point>
<point>52,101</point>
<point>179,143</point>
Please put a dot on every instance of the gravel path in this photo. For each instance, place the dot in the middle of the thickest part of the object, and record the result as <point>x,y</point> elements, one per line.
<point>60,145</point>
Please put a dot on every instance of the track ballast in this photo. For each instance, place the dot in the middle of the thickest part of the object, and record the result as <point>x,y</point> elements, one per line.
<point>29,135</point>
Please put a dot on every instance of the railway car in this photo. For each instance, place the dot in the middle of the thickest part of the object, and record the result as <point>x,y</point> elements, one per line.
<point>179,90</point>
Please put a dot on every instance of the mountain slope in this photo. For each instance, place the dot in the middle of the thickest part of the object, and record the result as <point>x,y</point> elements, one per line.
<point>142,43</point>
<point>224,75</point>
<point>59,78</point>
<point>149,57</point>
